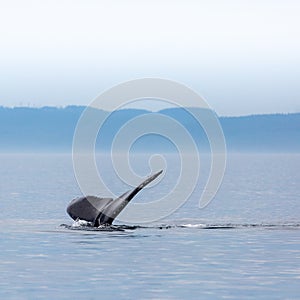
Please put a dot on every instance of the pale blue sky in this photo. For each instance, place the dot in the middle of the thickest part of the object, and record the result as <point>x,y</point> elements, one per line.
<point>242,56</point>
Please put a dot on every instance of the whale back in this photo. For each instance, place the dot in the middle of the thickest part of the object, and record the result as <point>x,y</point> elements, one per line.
<point>87,208</point>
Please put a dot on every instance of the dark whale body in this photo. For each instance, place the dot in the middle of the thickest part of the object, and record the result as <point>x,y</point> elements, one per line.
<point>103,211</point>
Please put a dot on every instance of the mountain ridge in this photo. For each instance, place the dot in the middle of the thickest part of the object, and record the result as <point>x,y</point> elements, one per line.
<point>26,129</point>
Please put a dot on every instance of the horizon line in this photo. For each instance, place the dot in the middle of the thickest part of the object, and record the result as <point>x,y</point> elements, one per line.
<point>145,109</point>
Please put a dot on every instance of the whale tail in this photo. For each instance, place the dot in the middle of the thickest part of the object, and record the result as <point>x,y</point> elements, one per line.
<point>103,211</point>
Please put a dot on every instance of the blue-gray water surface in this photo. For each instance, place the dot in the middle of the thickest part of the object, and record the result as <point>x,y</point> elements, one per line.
<point>244,245</point>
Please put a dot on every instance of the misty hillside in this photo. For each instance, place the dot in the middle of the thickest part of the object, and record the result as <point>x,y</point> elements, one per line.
<point>25,129</point>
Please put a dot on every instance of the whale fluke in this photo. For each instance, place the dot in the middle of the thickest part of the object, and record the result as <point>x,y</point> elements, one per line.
<point>103,211</point>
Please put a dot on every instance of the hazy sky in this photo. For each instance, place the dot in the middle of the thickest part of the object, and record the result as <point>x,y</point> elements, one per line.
<point>242,56</point>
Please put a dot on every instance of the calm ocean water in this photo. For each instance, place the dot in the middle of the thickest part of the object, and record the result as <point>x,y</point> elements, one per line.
<point>244,245</point>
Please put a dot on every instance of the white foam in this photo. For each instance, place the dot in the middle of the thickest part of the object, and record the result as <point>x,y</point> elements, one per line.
<point>193,225</point>
<point>81,223</point>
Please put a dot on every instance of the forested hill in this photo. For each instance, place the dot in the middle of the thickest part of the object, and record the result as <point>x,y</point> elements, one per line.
<point>50,129</point>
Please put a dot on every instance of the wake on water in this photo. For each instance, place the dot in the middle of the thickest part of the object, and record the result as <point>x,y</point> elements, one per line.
<point>88,226</point>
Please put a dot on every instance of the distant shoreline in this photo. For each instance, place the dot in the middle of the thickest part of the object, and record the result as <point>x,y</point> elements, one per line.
<point>49,107</point>
<point>51,129</point>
